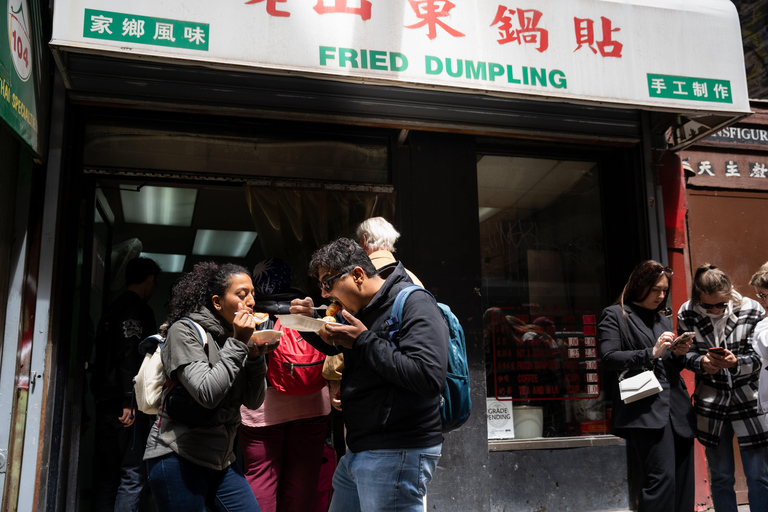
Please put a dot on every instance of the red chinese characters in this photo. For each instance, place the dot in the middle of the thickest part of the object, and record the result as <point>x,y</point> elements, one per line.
<point>340,6</point>
<point>272,7</point>
<point>430,12</point>
<point>527,31</point>
<point>585,35</point>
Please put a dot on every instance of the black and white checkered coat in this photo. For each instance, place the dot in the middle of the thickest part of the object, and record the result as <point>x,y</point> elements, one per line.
<point>729,393</point>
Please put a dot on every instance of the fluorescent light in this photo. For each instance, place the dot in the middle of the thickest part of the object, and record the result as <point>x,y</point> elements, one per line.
<point>172,263</point>
<point>235,244</point>
<point>163,206</point>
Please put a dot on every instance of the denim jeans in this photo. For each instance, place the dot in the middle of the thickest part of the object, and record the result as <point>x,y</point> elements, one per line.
<point>133,471</point>
<point>181,486</point>
<point>722,480</point>
<point>384,480</point>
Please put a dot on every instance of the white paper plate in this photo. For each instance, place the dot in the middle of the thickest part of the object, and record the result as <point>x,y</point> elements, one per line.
<point>266,336</point>
<point>301,323</point>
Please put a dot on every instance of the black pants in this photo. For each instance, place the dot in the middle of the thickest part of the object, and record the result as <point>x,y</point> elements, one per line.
<point>117,458</point>
<point>668,469</point>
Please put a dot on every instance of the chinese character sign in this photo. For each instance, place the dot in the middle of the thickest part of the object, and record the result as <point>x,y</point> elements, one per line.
<point>117,26</point>
<point>590,50</point>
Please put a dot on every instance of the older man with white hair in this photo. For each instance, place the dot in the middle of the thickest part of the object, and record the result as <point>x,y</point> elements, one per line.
<point>377,237</point>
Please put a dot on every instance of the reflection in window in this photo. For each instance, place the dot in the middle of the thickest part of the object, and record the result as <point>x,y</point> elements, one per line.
<point>543,280</point>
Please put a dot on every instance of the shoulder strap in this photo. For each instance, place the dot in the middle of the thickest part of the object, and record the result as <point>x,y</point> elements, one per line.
<point>198,328</point>
<point>396,316</point>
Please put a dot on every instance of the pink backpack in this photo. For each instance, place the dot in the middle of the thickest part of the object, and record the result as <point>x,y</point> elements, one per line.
<point>295,367</point>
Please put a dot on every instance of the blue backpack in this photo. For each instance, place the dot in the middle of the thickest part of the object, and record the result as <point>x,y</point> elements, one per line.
<point>455,403</point>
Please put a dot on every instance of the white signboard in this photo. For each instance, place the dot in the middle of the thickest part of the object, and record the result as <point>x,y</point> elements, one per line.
<point>500,419</point>
<point>660,54</point>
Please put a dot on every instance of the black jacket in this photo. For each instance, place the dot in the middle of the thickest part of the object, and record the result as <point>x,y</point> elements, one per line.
<point>127,322</point>
<point>390,395</point>
<point>629,345</point>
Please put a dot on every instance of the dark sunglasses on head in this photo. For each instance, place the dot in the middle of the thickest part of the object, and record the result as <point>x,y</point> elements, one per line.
<point>666,270</point>
<point>761,296</point>
<point>327,285</point>
<point>719,305</point>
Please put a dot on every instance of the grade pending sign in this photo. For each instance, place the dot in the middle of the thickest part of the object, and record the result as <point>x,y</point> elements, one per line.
<point>636,53</point>
<point>22,68</point>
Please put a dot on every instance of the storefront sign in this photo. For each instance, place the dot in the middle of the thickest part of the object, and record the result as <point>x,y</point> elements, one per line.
<point>20,70</point>
<point>616,51</point>
<point>756,136</point>
<point>732,169</point>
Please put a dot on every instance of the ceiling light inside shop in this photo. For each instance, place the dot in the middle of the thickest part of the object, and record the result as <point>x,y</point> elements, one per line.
<point>235,244</point>
<point>170,263</point>
<point>163,206</point>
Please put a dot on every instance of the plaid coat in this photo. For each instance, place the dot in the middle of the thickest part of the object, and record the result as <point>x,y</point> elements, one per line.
<point>729,393</point>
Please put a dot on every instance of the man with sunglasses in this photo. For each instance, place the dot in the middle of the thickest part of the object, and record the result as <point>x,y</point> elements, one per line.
<point>390,391</point>
<point>727,369</point>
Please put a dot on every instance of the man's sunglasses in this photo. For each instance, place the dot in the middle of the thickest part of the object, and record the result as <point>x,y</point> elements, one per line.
<point>761,296</point>
<point>719,305</point>
<point>327,285</point>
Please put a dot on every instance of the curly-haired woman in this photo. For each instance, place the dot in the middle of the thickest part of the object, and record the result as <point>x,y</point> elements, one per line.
<point>190,459</point>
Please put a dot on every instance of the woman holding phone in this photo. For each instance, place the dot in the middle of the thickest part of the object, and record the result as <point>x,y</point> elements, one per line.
<point>727,371</point>
<point>634,336</point>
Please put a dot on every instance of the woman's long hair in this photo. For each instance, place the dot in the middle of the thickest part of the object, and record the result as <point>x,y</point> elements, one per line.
<point>709,280</point>
<point>194,290</point>
<point>641,280</point>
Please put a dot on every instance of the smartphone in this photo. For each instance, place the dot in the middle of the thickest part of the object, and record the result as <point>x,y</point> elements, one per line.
<point>717,350</point>
<point>682,338</point>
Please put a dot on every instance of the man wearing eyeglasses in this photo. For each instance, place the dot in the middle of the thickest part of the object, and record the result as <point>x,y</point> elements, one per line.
<point>390,391</point>
<point>760,341</point>
<point>727,370</point>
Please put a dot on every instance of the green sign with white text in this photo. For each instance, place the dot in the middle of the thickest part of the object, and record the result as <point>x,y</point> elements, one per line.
<point>132,28</point>
<point>689,88</point>
<point>23,65</point>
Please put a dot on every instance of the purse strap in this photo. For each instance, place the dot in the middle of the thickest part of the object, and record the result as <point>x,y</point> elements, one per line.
<point>631,342</point>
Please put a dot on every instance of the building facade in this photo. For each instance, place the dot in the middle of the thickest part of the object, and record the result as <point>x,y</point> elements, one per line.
<point>515,147</point>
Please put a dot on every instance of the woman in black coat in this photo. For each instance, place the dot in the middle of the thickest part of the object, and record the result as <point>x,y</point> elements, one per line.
<point>660,428</point>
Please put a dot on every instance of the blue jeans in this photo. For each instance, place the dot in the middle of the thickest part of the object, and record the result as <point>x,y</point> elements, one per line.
<point>384,480</point>
<point>133,471</point>
<point>722,467</point>
<point>181,486</point>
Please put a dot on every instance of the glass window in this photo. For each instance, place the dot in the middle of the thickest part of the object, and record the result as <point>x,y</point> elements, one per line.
<point>226,151</point>
<point>543,283</point>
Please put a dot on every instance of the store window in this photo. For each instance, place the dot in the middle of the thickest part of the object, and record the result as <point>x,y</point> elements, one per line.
<point>543,285</point>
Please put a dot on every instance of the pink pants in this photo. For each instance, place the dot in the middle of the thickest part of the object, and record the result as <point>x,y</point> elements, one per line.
<point>282,463</point>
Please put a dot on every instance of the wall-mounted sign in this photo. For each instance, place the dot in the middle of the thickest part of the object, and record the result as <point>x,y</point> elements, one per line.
<point>500,422</point>
<point>742,135</point>
<point>21,71</point>
<point>607,51</point>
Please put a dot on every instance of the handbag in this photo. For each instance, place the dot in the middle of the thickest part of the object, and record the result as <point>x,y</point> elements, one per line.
<point>639,386</point>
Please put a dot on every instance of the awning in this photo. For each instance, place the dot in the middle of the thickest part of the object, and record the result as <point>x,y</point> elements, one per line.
<point>677,58</point>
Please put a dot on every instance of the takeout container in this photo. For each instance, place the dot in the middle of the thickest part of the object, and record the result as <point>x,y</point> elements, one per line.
<point>266,337</point>
<point>301,323</point>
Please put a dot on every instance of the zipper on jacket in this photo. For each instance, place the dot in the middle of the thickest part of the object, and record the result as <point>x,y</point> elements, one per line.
<point>293,365</point>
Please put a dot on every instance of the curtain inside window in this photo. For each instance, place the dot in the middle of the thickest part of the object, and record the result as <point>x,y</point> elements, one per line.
<point>294,222</point>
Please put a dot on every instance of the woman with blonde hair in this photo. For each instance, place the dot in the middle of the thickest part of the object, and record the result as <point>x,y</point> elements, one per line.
<point>760,341</point>
<point>727,370</point>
